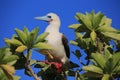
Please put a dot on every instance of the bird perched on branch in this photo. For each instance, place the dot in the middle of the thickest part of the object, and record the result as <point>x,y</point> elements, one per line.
<point>56,39</point>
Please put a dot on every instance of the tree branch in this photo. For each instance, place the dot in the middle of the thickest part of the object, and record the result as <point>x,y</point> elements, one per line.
<point>33,74</point>
<point>88,57</point>
<point>28,66</point>
<point>76,74</point>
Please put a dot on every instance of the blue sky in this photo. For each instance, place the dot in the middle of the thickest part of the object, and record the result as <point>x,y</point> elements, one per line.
<point>18,13</point>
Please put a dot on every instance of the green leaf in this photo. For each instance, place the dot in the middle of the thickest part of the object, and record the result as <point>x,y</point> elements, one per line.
<point>20,49</point>
<point>117,69</point>
<point>2,53</point>
<point>116,59</point>
<point>16,77</point>
<point>79,27</point>
<point>7,57</point>
<point>73,43</point>
<point>93,36</point>
<point>102,21</point>
<point>92,68</point>
<point>107,53</point>
<point>99,58</point>
<point>105,22</point>
<point>10,58</point>
<point>13,42</point>
<point>85,20</point>
<point>78,35</point>
<point>108,67</point>
<point>106,77</point>
<point>42,37</point>
<point>105,28</point>
<point>108,22</point>
<point>90,15</point>
<point>26,31</point>
<point>32,62</point>
<point>112,35</point>
<point>8,68</point>
<point>108,57</point>
<point>21,35</point>
<point>97,19</point>
<point>33,34</point>
<point>41,45</point>
<point>46,67</point>
<point>3,75</point>
<point>74,26</point>
<point>12,62</point>
<point>40,64</point>
<point>93,74</point>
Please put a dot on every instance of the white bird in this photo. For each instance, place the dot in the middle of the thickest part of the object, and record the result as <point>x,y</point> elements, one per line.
<point>55,38</point>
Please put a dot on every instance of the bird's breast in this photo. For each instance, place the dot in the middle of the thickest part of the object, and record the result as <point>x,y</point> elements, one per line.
<point>55,40</point>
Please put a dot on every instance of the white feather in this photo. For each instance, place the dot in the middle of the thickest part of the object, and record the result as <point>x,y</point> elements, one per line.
<point>55,38</point>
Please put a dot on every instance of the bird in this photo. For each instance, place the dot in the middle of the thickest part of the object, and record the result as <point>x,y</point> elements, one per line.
<point>55,38</point>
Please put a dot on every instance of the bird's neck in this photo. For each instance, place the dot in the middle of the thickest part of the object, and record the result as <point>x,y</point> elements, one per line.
<point>53,27</point>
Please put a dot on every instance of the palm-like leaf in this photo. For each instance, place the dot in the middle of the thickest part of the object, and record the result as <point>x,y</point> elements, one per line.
<point>107,63</point>
<point>28,40</point>
<point>95,25</point>
<point>94,35</point>
<point>6,63</point>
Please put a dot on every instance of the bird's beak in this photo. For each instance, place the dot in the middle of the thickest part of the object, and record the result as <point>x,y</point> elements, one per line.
<point>44,18</point>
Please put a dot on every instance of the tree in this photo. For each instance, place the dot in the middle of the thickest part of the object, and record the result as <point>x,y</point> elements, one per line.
<point>94,35</point>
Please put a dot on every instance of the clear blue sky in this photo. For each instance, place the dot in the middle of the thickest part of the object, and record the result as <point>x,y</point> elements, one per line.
<point>17,13</point>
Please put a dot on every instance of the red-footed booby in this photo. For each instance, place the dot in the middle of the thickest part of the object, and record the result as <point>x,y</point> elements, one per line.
<point>55,38</point>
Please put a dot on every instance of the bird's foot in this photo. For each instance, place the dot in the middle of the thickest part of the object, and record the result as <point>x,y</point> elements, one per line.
<point>56,65</point>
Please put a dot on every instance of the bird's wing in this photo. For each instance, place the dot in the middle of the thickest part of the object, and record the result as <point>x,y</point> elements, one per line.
<point>66,47</point>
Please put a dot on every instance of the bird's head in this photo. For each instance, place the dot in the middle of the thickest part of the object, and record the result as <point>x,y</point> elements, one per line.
<point>50,17</point>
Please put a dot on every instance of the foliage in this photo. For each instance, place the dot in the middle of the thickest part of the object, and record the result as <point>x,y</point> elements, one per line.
<point>6,64</point>
<point>26,41</point>
<point>95,37</point>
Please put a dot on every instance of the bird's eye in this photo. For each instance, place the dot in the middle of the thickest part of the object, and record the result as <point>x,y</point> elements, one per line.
<point>49,16</point>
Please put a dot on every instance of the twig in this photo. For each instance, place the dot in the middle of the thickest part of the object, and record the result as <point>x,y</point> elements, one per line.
<point>76,74</point>
<point>88,57</point>
<point>33,74</point>
<point>29,68</point>
<point>28,57</point>
<point>65,78</point>
<point>88,61</point>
